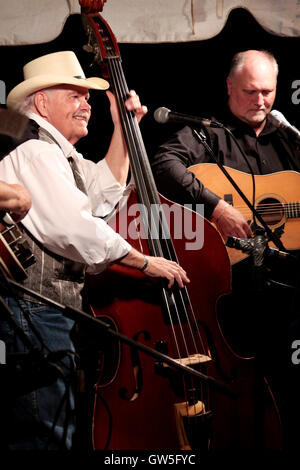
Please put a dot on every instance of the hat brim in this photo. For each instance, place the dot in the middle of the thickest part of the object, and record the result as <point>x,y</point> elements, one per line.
<point>26,88</point>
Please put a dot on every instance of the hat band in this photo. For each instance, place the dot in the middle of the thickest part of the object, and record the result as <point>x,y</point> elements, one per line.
<point>79,76</point>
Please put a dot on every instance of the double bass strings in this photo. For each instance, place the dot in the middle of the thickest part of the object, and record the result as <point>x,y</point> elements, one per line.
<point>177,300</point>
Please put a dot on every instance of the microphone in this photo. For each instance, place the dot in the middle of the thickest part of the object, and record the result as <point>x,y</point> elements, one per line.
<point>163,115</point>
<point>278,120</point>
<point>249,245</point>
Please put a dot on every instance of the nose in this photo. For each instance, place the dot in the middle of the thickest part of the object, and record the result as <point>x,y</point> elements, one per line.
<point>259,99</point>
<point>84,104</point>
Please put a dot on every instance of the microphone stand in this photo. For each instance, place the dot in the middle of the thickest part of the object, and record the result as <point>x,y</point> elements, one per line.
<point>258,248</point>
<point>80,316</point>
<point>201,138</point>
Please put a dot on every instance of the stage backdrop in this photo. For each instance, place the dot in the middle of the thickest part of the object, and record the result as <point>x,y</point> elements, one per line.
<point>175,53</point>
<point>144,21</point>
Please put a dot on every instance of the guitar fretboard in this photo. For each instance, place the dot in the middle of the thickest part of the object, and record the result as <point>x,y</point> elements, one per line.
<point>292,210</point>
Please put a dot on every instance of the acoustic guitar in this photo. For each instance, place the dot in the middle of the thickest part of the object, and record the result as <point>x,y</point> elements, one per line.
<point>15,254</point>
<point>277,200</point>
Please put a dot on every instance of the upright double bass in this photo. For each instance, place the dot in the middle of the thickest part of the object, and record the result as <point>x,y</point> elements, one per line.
<point>141,403</point>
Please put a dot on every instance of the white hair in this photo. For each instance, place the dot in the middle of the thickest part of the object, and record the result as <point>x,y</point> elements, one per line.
<point>239,59</point>
<point>28,102</point>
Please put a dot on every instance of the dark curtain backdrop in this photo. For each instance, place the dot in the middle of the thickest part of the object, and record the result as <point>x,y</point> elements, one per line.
<point>185,77</point>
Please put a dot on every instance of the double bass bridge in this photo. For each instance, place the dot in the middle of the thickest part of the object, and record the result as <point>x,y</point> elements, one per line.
<point>192,360</point>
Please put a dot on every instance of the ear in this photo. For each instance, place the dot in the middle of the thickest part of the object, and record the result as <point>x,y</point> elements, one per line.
<point>229,85</point>
<point>40,102</point>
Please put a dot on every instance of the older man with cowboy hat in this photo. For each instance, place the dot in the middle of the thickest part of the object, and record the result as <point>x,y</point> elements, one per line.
<point>64,228</point>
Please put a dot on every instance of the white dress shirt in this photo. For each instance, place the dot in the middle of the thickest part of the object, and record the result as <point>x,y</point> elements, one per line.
<point>63,218</point>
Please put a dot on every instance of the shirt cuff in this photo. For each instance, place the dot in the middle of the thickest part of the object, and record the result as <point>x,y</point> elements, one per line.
<point>210,202</point>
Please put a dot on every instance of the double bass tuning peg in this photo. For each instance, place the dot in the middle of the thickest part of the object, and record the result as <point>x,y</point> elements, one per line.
<point>95,50</point>
<point>88,48</point>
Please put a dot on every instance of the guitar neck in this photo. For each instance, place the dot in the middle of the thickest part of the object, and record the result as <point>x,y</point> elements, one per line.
<point>292,210</point>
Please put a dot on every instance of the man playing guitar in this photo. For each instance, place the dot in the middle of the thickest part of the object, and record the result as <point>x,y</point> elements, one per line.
<point>259,146</point>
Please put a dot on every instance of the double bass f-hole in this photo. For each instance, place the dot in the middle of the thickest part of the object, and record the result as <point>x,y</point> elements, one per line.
<point>151,406</point>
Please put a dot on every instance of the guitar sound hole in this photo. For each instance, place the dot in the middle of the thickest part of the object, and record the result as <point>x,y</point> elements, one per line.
<point>271,210</point>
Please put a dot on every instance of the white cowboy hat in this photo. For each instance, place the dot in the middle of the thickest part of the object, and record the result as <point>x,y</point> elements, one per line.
<point>50,70</point>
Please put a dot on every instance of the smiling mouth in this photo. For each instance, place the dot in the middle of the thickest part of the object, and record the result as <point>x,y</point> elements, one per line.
<point>81,118</point>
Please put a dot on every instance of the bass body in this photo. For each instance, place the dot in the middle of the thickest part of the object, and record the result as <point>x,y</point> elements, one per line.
<point>141,404</point>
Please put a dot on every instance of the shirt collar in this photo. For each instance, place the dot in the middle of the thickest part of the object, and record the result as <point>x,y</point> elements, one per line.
<point>64,144</point>
<point>235,124</point>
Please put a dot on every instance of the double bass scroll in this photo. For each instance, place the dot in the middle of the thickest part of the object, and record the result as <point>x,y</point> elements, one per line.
<point>140,403</point>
